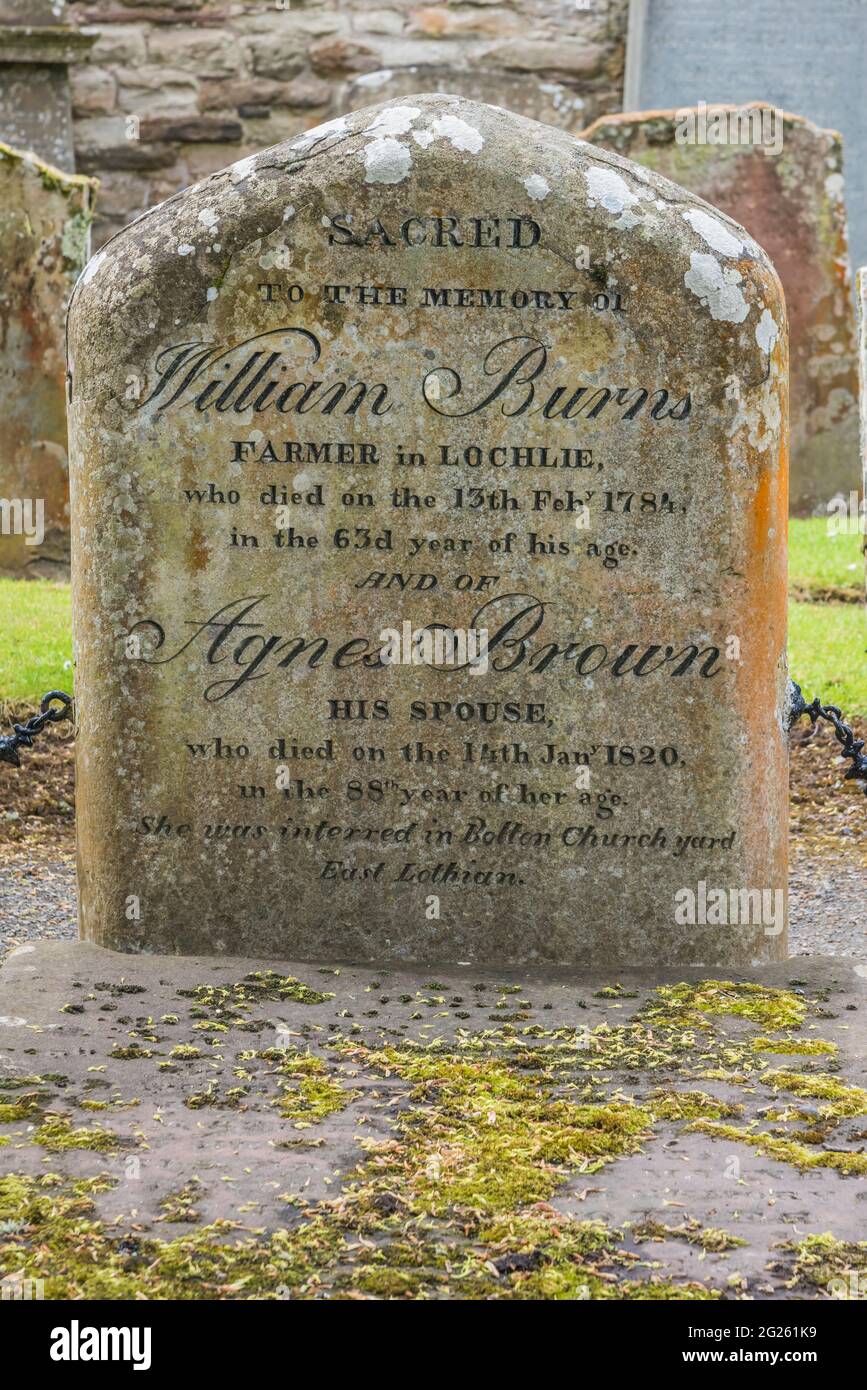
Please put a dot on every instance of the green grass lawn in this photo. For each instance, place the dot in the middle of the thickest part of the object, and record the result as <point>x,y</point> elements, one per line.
<point>828,653</point>
<point>827,641</point>
<point>819,563</point>
<point>35,639</point>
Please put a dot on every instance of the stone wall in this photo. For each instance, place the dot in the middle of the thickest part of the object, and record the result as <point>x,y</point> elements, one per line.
<point>174,91</point>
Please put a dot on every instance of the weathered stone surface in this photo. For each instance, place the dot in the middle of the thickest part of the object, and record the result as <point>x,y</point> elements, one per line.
<point>810,61</point>
<point>789,196</point>
<point>44,225</point>
<point>529,94</point>
<point>416,1136</point>
<point>36,46</point>
<point>547,401</point>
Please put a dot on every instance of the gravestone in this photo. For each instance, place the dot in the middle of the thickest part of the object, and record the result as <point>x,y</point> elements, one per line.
<point>44,229</point>
<point>781,177</point>
<point>36,48</point>
<point>805,57</point>
<point>431,366</point>
<point>861,279</point>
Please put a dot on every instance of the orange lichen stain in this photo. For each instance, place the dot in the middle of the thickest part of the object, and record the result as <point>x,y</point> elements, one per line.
<point>198,549</point>
<point>760,620</point>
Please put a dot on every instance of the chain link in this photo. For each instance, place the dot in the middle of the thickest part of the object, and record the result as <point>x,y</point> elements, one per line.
<point>25,733</point>
<point>851,747</point>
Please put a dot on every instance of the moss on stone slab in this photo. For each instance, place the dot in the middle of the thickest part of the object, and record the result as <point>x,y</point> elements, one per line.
<point>837,1266</point>
<point>786,1150</point>
<point>56,1133</point>
<point>845,1101</point>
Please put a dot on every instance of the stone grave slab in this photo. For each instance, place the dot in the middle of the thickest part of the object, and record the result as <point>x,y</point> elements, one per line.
<point>247,1129</point>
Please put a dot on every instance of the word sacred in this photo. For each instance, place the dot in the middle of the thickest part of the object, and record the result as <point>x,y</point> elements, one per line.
<point>477,233</point>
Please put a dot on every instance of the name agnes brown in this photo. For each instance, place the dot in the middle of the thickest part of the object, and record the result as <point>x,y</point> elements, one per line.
<point>511,621</point>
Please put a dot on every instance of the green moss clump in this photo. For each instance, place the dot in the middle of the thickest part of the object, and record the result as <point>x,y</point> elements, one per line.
<point>132,1053</point>
<point>18,1083</point>
<point>786,1150</point>
<point>483,1136</point>
<point>22,1109</point>
<point>181,1206</point>
<point>308,1092</point>
<point>232,1098</point>
<point>837,1266</point>
<point>804,1047</point>
<point>260,986</point>
<point>707,1237</point>
<point>57,1134</point>
<point>185,1052</point>
<point>774,1009</point>
<point>846,1100</point>
<point>82,1259</point>
<point>689,1105</point>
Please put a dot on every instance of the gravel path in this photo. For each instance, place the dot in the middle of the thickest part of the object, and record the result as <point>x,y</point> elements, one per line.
<point>827,901</point>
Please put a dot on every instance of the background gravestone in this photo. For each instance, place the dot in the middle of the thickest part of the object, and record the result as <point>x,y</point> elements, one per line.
<point>432,363</point>
<point>790,198</point>
<point>801,57</point>
<point>36,49</point>
<point>44,228</point>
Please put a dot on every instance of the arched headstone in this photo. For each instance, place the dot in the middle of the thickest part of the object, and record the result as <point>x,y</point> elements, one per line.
<point>431,366</point>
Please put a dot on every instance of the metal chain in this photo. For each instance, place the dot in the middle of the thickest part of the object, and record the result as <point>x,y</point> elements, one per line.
<point>24,733</point>
<point>851,747</point>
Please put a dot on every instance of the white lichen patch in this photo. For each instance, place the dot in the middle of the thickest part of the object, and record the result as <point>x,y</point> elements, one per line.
<point>374,79</point>
<point>717,287</point>
<point>459,133</point>
<point>394,120</point>
<point>714,233</point>
<point>208,218</point>
<point>834,187</point>
<point>242,168</point>
<point>276,258</point>
<point>610,190</point>
<point>423,138</point>
<point>185,249</point>
<point>759,414</point>
<point>767,331</point>
<point>212,293</point>
<point>387,161</point>
<point>537,187</point>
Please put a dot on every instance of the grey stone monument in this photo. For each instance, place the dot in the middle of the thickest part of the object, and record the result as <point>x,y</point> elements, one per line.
<point>792,53</point>
<point>36,48</point>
